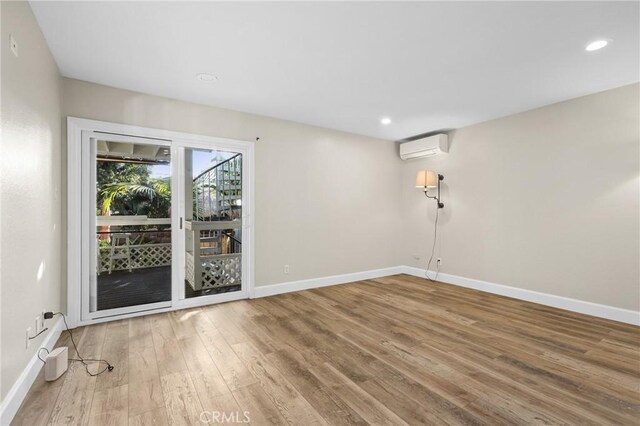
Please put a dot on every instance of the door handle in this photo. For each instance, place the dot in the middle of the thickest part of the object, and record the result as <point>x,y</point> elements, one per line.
<point>180,223</point>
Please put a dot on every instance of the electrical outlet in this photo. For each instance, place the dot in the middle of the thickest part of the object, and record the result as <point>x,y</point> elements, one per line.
<point>28,335</point>
<point>14,45</point>
<point>42,319</point>
<point>439,261</point>
<point>286,269</point>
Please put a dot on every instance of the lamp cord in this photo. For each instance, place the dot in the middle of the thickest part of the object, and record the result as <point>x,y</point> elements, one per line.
<point>433,249</point>
<point>84,361</point>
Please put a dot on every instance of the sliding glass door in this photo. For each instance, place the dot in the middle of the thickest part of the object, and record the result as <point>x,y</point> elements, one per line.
<point>127,222</point>
<point>164,224</point>
<point>213,222</point>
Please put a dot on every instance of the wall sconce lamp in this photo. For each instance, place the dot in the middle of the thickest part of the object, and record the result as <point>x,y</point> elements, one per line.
<point>426,179</point>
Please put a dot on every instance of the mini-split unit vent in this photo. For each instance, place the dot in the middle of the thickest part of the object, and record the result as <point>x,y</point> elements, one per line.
<point>425,147</point>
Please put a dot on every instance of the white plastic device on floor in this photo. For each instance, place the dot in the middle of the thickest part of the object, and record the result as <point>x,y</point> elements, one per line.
<point>57,363</point>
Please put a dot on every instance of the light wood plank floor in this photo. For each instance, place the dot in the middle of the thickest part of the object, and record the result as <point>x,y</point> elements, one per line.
<point>395,350</point>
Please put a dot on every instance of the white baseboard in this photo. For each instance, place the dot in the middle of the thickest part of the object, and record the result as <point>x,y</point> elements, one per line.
<point>11,403</point>
<point>288,287</point>
<point>574,305</point>
<point>602,311</point>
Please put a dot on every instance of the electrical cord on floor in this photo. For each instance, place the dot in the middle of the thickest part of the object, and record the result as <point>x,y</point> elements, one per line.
<point>84,361</point>
<point>433,250</point>
<point>42,349</point>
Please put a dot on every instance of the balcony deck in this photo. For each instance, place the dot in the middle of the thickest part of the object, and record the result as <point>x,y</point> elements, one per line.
<point>139,287</point>
<point>148,254</point>
<point>142,286</point>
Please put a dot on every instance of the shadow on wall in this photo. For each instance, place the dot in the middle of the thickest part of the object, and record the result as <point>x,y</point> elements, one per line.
<point>426,135</point>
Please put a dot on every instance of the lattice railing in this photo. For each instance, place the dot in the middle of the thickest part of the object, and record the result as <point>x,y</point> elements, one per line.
<point>188,266</point>
<point>142,256</point>
<point>221,270</point>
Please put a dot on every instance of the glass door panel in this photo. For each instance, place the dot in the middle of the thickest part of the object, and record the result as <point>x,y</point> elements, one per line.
<point>213,222</point>
<point>131,221</point>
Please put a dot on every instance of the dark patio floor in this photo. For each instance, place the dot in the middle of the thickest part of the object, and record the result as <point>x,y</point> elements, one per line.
<point>143,286</point>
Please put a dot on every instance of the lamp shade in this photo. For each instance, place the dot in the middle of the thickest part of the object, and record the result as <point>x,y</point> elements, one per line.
<point>426,179</point>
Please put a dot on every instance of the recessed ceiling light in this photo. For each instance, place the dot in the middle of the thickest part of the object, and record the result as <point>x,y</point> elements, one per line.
<point>209,78</point>
<point>596,45</point>
<point>385,121</point>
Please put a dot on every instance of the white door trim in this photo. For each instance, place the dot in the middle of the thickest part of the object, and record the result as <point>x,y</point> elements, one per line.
<point>88,308</point>
<point>75,127</point>
<point>246,149</point>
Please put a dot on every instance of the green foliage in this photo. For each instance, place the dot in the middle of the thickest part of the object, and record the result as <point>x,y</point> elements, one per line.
<point>129,189</point>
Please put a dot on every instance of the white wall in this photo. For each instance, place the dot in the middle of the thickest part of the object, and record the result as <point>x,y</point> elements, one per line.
<point>546,200</point>
<point>327,202</point>
<point>30,195</point>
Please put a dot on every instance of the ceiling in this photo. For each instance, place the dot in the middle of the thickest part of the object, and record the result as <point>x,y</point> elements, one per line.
<point>427,66</point>
<point>131,151</point>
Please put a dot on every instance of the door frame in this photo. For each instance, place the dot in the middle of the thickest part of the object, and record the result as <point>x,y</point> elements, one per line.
<point>178,150</point>
<point>89,246</point>
<point>179,141</point>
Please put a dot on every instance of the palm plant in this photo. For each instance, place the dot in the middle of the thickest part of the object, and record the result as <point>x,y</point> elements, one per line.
<point>141,192</point>
<point>128,188</point>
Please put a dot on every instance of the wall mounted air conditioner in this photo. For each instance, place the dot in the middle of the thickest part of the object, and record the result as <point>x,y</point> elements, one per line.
<point>424,147</point>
